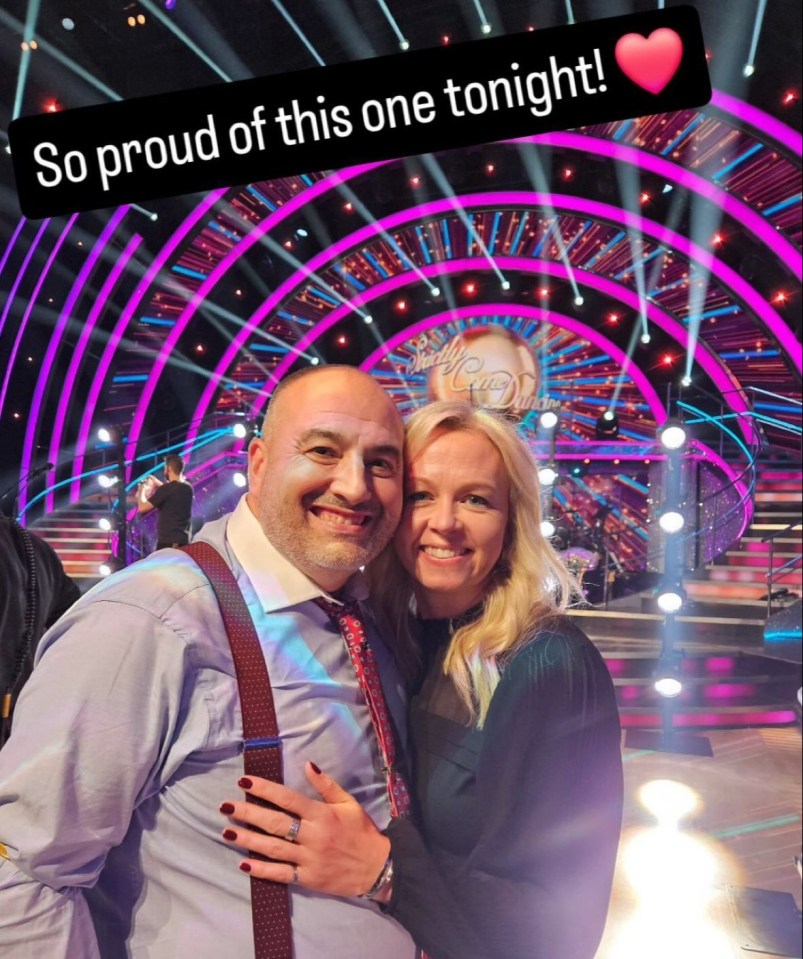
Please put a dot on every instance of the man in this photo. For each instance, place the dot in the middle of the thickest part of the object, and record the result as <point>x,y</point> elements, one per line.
<point>173,499</point>
<point>34,592</point>
<point>109,804</point>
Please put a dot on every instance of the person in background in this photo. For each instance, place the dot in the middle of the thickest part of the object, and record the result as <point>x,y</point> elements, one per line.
<point>34,592</point>
<point>513,721</point>
<point>173,500</point>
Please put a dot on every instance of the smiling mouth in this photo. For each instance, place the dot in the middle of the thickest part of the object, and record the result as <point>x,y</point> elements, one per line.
<point>441,552</point>
<point>346,520</point>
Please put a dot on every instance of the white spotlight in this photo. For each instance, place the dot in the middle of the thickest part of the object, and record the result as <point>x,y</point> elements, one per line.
<point>673,436</point>
<point>68,23</point>
<point>547,475</point>
<point>668,687</point>
<point>671,521</point>
<point>645,338</point>
<point>368,319</point>
<point>686,381</point>
<point>239,480</point>
<point>314,361</point>
<point>547,528</point>
<point>505,285</point>
<point>435,291</point>
<point>239,431</point>
<point>668,800</point>
<point>486,28</point>
<point>404,45</point>
<point>104,435</point>
<point>105,524</point>
<point>104,569</point>
<point>670,600</point>
<point>153,216</point>
<point>106,482</point>
<point>578,300</point>
<point>748,70</point>
<point>549,420</point>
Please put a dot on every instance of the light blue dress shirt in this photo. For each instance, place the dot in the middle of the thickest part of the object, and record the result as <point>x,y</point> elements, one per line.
<point>128,737</point>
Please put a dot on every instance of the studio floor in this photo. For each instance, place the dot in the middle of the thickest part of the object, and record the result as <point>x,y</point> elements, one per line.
<point>706,867</point>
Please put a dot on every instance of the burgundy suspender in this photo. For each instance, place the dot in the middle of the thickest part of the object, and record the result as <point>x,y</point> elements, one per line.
<point>270,901</point>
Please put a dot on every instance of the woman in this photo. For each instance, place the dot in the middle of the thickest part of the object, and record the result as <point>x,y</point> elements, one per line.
<point>513,723</point>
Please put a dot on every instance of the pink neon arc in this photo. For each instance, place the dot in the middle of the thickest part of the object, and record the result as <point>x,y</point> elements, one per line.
<point>707,360</point>
<point>75,360</point>
<point>127,313</point>
<point>510,199</point>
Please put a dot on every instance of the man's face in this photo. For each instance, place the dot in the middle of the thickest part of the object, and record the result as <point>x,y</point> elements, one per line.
<point>326,483</point>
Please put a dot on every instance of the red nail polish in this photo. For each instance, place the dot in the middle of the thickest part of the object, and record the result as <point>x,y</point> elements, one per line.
<point>245,866</point>
<point>245,783</point>
<point>229,834</point>
<point>315,768</point>
<point>227,808</point>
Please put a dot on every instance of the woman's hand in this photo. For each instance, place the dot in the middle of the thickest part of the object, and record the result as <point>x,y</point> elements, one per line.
<point>336,848</point>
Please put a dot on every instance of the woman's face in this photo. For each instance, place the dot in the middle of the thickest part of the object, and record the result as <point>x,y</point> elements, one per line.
<point>455,517</point>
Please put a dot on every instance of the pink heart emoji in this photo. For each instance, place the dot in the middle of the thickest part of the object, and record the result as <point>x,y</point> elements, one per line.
<point>650,62</point>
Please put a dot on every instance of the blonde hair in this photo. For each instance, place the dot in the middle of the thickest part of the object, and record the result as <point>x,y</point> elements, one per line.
<point>530,583</point>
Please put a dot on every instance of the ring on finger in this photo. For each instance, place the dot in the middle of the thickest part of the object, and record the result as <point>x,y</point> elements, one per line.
<point>292,832</point>
<point>295,874</point>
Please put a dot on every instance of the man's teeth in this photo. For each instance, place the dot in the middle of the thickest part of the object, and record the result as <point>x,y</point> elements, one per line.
<point>440,553</point>
<point>339,520</point>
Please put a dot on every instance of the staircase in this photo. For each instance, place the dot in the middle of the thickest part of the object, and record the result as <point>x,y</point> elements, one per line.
<point>80,544</point>
<point>739,576</point>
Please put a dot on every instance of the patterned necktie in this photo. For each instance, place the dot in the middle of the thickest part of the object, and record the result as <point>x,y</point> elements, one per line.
<point>348,620</point>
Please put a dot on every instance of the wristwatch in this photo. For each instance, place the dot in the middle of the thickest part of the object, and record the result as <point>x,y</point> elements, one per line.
<point>383,880</point>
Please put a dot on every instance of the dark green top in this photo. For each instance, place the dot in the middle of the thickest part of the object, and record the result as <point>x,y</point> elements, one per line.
<point>520,819</point>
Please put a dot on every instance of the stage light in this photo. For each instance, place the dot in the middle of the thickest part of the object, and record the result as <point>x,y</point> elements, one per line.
<point>445,39</point>
<point>547,475</point>
<point>415,182</point>
<point>789,97</point>
<point>578,300</point>
<point>673,435</point>
<point>401,306</point>
<point>170,4</point>
<point>543,291</point>
<point>239,480</point>
<point>131,21</point>
<point>109,566</point>
<point>685,381</point>
<point>548,419</point>
<point>486,28</point>
<point>748,70</point>
<point>607,426</point>
<point>613,318</point>
<point>240,430</point>
<point>140,18</point>
<point>68,23</point>
<point>668,686</point>
<point>670,600</point>
<point>667,188</point>
<point>368,319</point>
<point>105,434</point>
<point>404,45</point>
<point>105,524</point>
<point>435,291</point>
<point>200,348</point>
<point>106,482</point>
<point>669,801</point>
<point>547,528</point>
<point>470,288</point>
<point>671,521</point>
<point>314,361</point>
<point>644,198</point>
<point>301,232</point>
<point>579,470</point>
<point>490,168</point>
<point>645,338</point>
<point>52,106</point>
<point>567,173</point>
<point>506,285</point>
<point>342,340</point>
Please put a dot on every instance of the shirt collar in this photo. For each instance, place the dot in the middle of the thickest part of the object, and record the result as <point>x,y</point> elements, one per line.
<point>277,583</point>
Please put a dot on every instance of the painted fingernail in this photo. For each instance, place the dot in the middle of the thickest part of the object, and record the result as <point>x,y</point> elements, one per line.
<point>245,783</point>
<point>227,808</point>
<point>245,866</point>
<point>229,834</point>
<point>315,769</point>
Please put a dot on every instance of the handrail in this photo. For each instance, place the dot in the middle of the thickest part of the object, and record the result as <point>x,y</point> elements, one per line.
<point>780,532</point>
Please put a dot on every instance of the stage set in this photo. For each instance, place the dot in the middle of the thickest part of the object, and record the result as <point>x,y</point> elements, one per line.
<point>629,292</point>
